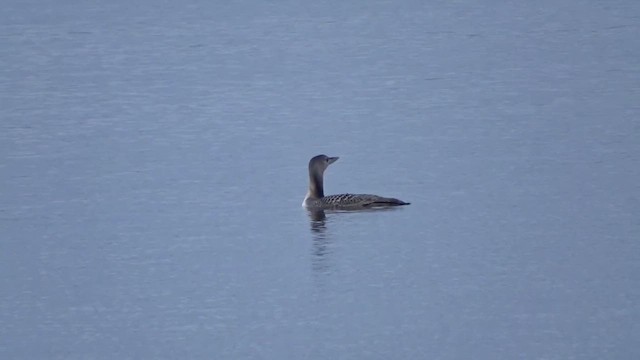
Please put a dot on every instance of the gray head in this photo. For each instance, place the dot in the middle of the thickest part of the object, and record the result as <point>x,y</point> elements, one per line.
<point>318,164</point>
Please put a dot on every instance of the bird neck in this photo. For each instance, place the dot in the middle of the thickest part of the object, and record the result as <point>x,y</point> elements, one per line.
<point>316,189</point>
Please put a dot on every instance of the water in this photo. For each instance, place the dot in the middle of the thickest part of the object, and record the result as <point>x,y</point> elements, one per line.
<point>153,162</point>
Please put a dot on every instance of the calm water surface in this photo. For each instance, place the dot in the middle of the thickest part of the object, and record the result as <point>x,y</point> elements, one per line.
<point>153,161</point>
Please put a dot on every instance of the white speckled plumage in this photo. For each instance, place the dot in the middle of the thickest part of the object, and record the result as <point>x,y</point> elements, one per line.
<point>315,196</point>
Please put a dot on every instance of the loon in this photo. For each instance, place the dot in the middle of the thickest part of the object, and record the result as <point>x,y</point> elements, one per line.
<point>315,198</point>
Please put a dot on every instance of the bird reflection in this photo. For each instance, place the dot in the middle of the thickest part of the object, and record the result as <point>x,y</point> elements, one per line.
<point>317,216</point>
<point>321,241</point>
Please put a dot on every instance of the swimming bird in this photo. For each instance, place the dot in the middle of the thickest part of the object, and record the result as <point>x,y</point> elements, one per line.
<point>315,198</point>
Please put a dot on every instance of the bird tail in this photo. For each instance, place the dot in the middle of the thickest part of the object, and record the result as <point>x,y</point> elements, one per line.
<point>388,202</point>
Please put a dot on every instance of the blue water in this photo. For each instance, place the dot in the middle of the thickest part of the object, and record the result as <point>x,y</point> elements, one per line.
<point>153,161</point>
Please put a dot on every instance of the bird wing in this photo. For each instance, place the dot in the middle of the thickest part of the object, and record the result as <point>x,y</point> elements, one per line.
<point>359,200</point>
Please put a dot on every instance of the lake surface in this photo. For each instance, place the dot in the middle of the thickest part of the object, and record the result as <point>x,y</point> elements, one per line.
<point>153,159</point>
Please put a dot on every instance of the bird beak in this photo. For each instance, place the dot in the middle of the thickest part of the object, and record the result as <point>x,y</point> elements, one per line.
<point>333,159</point>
